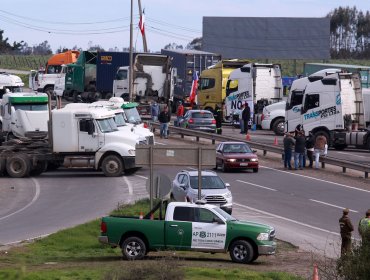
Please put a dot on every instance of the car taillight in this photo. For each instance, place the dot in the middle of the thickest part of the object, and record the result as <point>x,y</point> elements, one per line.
<point>103,227</point>
<point>191,121</point>
<point>213,121</point>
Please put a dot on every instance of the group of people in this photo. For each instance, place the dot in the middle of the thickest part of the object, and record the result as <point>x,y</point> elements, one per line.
<point>301,146</point>
<point>346,229</point>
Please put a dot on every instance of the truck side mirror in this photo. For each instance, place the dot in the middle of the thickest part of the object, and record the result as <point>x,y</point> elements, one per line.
<point>90,127</point>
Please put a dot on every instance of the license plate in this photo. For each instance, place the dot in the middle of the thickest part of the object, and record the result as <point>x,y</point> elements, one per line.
<point>244,164</point>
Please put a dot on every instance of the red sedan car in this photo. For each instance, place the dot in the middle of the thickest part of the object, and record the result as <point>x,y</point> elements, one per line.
<point>236,155</point>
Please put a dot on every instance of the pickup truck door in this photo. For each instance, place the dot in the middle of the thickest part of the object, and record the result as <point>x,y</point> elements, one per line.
<point>195,228</point>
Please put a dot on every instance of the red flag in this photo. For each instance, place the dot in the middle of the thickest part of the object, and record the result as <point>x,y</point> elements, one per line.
<point>141,23</point>
<point>194,87</point>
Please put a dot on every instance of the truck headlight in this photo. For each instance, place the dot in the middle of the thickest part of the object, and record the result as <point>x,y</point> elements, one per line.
<point>228,195</point>
<point>254,159</point>
<point>131,152</point>
<point>263,236</point>
<point>231,160</point>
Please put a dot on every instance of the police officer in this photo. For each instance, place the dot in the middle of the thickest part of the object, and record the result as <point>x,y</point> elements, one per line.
<point>346,228</point>
<point>364,228</point>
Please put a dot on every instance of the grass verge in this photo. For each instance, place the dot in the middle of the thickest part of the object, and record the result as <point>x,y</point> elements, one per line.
<point>75,253</point>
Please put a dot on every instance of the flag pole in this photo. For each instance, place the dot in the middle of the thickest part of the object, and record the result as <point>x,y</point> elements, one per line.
<point>130,84</point>
<point>145,46</point>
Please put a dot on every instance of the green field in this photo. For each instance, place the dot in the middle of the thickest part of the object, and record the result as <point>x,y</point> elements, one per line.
<point>75,254</point>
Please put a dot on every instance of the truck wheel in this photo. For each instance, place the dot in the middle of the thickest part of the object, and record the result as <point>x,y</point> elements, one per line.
<point>133,248</point>
<point>241,251</point>
<point>112,166</point>
<point>18,166</point>
<point>2,166</point>
<point>279,126</point>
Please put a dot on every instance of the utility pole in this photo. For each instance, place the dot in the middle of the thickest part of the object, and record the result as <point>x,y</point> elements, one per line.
<point>130,85</point>
<point>145,46</point>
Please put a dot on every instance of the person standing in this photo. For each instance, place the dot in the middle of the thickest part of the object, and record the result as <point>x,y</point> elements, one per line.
<point>179,113</point>
<point>288,147</point>
<point>218,117</point>
<point>241,123</point>
<point>319,148</point>
<point>299,149</point>
<point>310,143</point>
<point>246,115</point>
<point>164,119</point>
<point>154,110</point>
<point>346,229</point>
<point>364,228</point>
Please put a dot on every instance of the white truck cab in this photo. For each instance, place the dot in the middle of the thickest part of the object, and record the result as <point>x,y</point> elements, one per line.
<point>11,82</point>
<point>24,115</point>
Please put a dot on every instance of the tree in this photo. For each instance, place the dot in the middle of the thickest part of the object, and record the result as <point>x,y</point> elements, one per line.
<point>195,44</point>
<point>42,48</point>
<point>173,46</point>
<point>94,48</point>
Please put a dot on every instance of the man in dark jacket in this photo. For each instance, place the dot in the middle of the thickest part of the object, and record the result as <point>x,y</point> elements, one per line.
<point>218,115</point>
<point>310,143</point>
<point>346,228</point>
<point>164,118</point>
<point>299,149</point>
<point>288,147</point>
<point>246,115</point>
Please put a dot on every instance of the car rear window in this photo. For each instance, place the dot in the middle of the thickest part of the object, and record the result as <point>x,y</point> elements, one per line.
<point>208,182</point>
<point>201,115</point>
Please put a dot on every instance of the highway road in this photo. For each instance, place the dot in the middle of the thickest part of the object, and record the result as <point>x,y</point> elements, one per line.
<point>303,206</point>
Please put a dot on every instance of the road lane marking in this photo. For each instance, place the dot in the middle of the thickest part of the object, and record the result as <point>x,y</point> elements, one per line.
<point>351,154</point>
<point>321,180</point>
<point>287,219</point>
<point>336,206</point>
<point>129,185</point>
<point>259,186</point>
<point>143,177</point>
<point>35,197</point>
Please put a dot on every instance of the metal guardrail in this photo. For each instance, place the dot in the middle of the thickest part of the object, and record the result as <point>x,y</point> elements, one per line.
<point>264,147</point>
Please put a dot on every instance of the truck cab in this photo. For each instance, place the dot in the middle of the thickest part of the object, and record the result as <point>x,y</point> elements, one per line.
<point>189,226</point>
<point>24,115</point>
<point>10,82</point>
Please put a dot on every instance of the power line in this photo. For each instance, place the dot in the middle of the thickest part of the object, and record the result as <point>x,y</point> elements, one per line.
<point>173,25</point>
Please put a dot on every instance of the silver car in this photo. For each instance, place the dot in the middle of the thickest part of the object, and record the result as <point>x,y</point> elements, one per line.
<point>214,190</point>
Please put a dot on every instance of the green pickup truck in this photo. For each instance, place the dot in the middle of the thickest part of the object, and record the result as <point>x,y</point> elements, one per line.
<point>189,226</point>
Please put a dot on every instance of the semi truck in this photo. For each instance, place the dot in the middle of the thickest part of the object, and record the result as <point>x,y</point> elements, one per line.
<point>285,115</point>
<point>43,80</point>
<point>334,107</point>
<point>185,226</point>
<point>152,81</point>
<point>212,84</point>
<point>262,82</point>
<point>184,64</point>
<point>24,115</point>
<point>91,76</point>
<point>93,142</point>
<point>10,82</point>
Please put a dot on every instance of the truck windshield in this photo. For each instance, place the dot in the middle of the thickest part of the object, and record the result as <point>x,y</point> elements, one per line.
<point>119,119</point>
<point>208,182</point>
<point>31,107</point>
<point>107,125</point>
<point>132,116</point>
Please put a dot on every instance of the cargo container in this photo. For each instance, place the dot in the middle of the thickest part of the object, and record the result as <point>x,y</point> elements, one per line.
<point>185,62</point>
<point>364,71</point>
<point>91,77</point>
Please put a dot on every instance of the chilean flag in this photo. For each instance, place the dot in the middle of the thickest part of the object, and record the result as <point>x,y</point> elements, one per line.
<point>194,87</point>
<point>141,23</point>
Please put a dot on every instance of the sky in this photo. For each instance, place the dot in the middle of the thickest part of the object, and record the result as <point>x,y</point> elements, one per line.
<point>82,23</point>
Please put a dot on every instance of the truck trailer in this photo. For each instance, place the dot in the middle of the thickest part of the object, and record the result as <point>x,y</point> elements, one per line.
<point>185,63</point>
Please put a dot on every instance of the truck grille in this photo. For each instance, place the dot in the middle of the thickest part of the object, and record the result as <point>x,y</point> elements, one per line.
<point>213,199</point>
